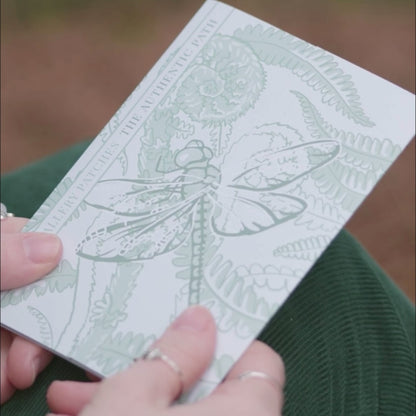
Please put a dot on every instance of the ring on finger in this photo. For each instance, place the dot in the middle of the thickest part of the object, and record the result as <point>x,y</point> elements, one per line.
<point>3,212</point>
<point>156,354</point>
<point>262,376</point>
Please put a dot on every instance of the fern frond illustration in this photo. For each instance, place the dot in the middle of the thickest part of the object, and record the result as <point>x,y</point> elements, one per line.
<point>360,163</point>
<point>45,329</point>
<point>62,278</point>
<point>243,298</point>
<point>316,67</point>
<point>118,351</point>
<point>108,311</point>
<point>344,184</point>
<point>358,150</point>
<point>303,249</point>
<point>365,152</point>
<point>321,215</point>
<point>317,126</point>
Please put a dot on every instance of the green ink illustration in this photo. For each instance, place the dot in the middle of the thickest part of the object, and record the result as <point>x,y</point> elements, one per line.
<point>117,352</point>
<point>106,313</point>
<point>165,209</point>
<point>361,162</point>
<point>193,202</point>
<point>304,248</point>
<point>62,278</point>
<point>45,329</point>
<point>243,298</point>
<point>321,215</point>
<point>162,127</point>
<point>222,364</point>
<point>224,83</point>
<point>316,67</point>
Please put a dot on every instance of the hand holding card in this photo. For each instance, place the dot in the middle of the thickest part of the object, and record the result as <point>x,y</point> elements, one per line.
<point>219,182</point>
<point>25,257</point>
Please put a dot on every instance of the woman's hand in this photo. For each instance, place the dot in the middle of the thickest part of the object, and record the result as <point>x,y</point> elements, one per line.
<point>149,387</point>
<point>25,257</point>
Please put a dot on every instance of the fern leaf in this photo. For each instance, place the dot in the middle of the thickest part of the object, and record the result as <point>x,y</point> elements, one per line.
<point>62,278</point>
<point>365,152</point>
<point>317,126</point>
<point>108,311</point>
<point>14,297</point>
<point>117,352</point>
<point>358,150</point>
<point>243,298</point>
<point>320,215</point>
<point>45,329</point>
<point>344,184</point>
<point>316,67</point>
<point>304,249</point>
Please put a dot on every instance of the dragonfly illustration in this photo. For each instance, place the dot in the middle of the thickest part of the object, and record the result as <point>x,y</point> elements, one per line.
<point>155,216</point>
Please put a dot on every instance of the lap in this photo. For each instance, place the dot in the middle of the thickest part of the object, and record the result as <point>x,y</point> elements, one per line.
<point>346,333</point>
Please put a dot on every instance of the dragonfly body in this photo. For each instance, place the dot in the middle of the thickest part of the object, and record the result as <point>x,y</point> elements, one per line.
<point>195,161</point>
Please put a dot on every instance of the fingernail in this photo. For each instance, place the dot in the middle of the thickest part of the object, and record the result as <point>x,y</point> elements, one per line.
<point>195,318</point>
<point>41,247</point>
<point>35,368</point>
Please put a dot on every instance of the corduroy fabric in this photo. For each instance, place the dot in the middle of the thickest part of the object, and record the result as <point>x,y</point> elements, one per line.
<point>346,334</point>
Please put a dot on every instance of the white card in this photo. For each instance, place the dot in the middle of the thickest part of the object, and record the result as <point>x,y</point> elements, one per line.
<point>220,181</point>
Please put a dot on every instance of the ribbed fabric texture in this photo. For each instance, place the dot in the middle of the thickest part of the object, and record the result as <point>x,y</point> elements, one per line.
<point>347,333</point>
<point>347,337</point>
<point>32,402</point>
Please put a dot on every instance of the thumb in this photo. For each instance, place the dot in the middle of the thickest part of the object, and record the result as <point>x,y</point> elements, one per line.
<point>26,257</point>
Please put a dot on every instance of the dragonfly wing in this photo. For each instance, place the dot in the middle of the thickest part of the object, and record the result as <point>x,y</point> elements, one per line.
<point>269,171</point>
<point>139,239</point>
<point>237,215</point>
<point>135,197</point>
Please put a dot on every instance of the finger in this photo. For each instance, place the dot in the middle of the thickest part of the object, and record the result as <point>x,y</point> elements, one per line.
<point>56,414</point>
<point>6,387</point>
<point>25,361</point>
<point>253,396</point>
<point>13,224</point>
<point>261,358</point>
<point>92,377</point>
<point>25,257</point>
<point>189,342</point>
<point>70,397</point>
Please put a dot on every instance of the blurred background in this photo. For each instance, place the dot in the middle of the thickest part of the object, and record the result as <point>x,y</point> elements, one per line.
<point>67,65</point>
